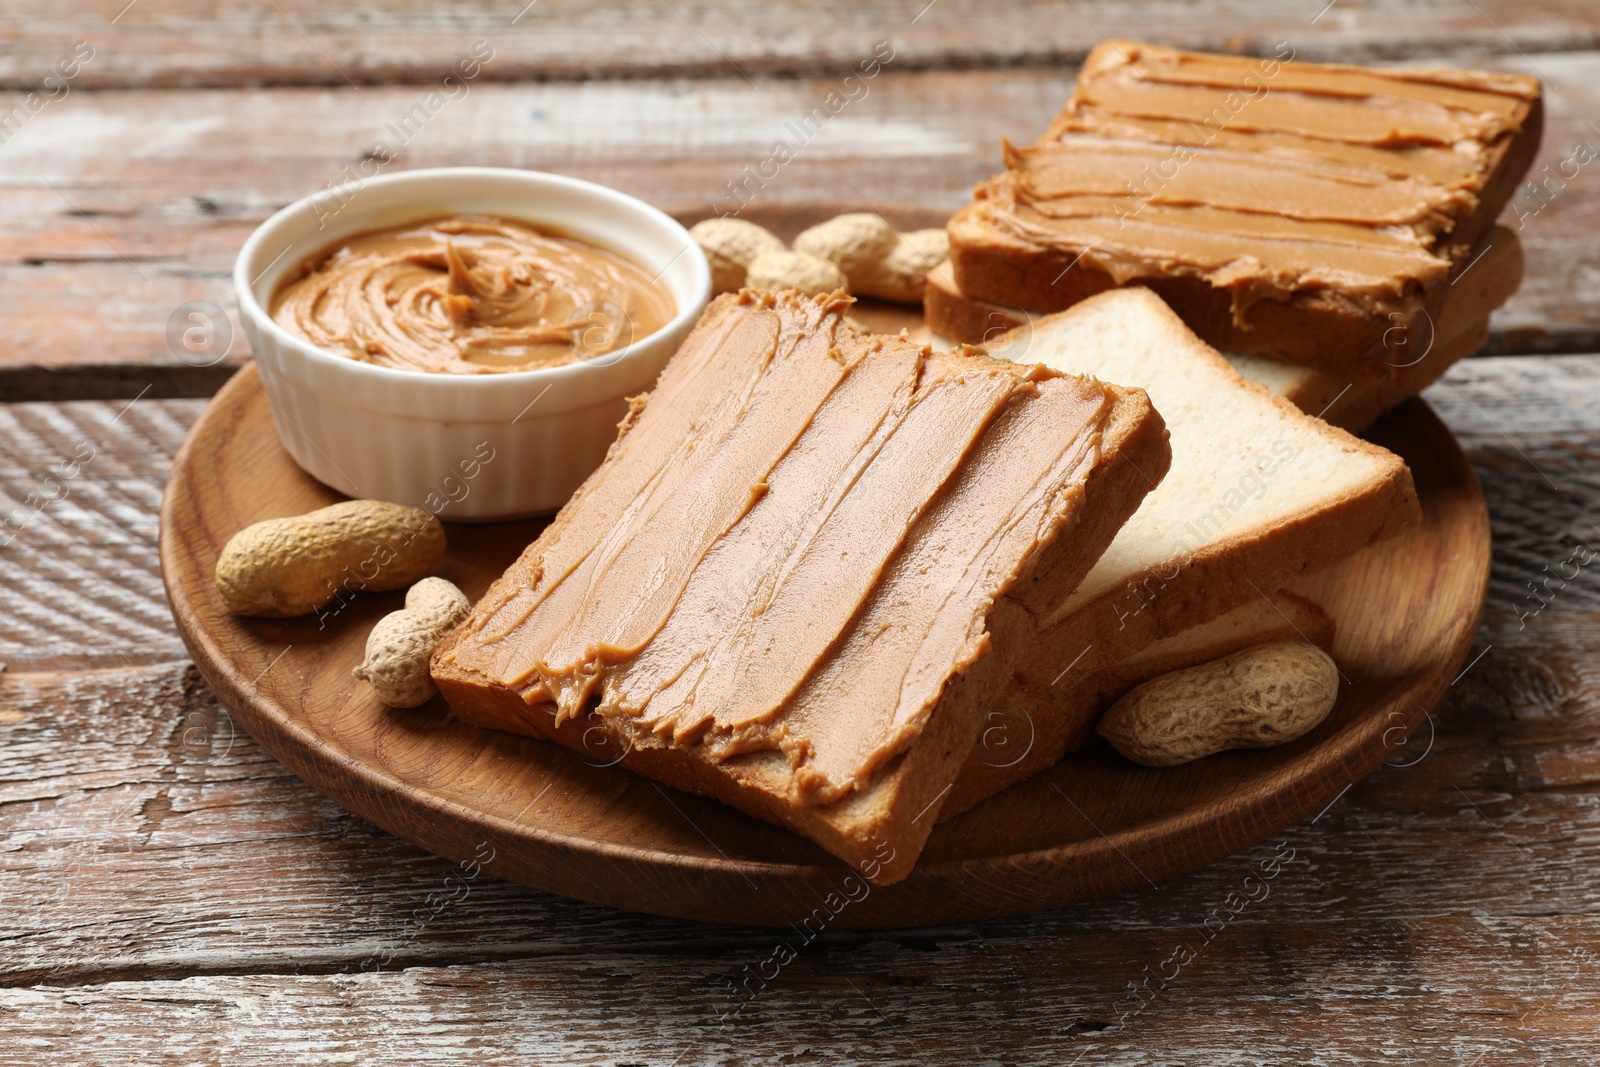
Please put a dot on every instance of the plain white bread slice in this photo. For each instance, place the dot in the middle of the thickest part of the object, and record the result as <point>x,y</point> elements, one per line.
<point>1350,405</point>
<point>1258,493</point>
<point>1248,467</point>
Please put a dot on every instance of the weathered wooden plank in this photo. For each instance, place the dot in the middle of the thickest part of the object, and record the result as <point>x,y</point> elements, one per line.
<point>1555,206</point>
<point>80,488</point>
<point>570,969</point>
<point>66,609</point>
<point>181,43</point>
<point>96,259</point>
<point>153,863</point>
<point>55,547</point>
<point>143,837</point>
<point>1339,994</point>
<point>1525,425</point>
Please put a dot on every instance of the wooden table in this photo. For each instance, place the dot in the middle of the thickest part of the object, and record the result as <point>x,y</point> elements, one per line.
<point>171,895</point>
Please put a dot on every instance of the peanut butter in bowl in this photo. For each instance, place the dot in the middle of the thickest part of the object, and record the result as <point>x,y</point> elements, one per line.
<point>469,294</point>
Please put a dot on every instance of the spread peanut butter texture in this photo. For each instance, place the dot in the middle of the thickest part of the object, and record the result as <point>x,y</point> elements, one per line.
<point>1261,176</point>
<point>470,295</point>
<point>795,544</point>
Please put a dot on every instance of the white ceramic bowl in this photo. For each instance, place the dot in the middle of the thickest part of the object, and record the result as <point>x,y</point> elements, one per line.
<point>463,446</point>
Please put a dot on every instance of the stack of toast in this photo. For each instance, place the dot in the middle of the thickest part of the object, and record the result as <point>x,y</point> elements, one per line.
<point>819,565</point>
<point>1329,228</point>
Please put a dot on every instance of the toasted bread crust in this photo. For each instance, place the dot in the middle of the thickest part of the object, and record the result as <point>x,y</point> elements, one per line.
<point>1482,282</point>
<point>1309,328</point>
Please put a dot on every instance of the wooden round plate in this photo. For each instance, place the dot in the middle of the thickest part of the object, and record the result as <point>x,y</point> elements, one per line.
<point>539,814</point>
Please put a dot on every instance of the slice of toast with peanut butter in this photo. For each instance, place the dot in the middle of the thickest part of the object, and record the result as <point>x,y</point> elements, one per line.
<point>1481,282</point>
<point>1314,213</point>
<point>800,576</point>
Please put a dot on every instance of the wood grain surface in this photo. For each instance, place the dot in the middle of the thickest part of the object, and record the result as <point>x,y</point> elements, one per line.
<point>186,44</point>
<point>101,262</point>
<point>170,885</point>
<point>173,895</point>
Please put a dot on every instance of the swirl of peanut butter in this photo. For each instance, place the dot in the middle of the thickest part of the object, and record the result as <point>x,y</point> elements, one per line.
<point>470,295</point>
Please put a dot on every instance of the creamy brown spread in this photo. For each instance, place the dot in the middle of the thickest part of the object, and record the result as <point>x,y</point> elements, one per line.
<point>1259,175</point>
<point>470,295</point>
<point>795,544</point>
